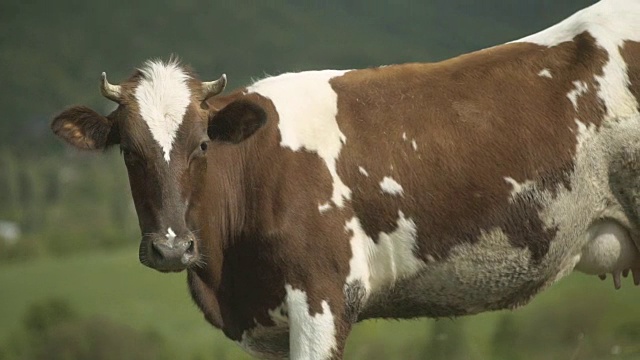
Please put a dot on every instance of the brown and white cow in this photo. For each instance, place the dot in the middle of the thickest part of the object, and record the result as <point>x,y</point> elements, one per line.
<point>309,201</point>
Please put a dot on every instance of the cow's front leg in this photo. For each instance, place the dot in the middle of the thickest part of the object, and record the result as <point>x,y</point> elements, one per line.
<point>318,327</point>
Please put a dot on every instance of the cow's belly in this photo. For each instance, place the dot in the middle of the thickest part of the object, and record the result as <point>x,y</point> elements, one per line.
<point>472,280</point>
<point>489,275</point>
<point>494,271</point>
<point>493,275</point>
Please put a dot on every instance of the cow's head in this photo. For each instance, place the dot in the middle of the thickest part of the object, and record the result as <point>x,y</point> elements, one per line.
<point>164,128</point>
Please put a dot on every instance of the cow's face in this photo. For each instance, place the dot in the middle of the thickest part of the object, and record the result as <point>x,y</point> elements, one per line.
<point>164,130</point>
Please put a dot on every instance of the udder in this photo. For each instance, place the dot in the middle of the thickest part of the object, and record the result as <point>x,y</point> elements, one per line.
<point>610,250</point>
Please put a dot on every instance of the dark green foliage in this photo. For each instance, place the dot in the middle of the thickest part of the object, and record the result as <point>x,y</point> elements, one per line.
<point>99,339</point>
<point>66,204</point>
<point>54,331</point>
<point>10,182</point>
<point>42,316</point>
<point>53,52</point>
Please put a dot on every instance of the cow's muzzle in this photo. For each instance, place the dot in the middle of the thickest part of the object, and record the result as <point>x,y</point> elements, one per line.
<point>169,253</point>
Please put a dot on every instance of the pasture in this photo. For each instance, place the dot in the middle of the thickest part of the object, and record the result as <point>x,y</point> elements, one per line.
<point>580,316</point>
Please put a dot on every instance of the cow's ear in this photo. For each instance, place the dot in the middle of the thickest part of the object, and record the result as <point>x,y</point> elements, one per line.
<point>236,121</point>
<point>85,129</point>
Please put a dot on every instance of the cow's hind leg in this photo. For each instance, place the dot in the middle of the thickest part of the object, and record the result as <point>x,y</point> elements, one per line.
<point>315,332</point>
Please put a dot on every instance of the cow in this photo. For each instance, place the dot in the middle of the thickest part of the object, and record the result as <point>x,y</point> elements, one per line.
<point>306,202</point>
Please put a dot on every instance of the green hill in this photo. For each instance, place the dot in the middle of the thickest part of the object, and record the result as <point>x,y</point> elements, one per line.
<point>51,53</point>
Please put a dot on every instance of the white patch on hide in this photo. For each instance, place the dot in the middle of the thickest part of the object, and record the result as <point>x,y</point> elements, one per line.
<point>363,171</point>
<point>307,107</point>
<point>310,337</point>
<point>545,73</point>
<point>580,87</point>
<point>390,186</point>
<point>324,207</point>
<point>391,259</point>
<point>584,133</point>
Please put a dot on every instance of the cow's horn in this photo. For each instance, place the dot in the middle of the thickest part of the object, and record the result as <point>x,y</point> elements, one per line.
<point>110,91</point>
<point>213,88</point>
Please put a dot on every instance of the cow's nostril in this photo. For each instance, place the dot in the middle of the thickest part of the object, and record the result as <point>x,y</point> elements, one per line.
<point>190,247</point>
<point>174,254</point>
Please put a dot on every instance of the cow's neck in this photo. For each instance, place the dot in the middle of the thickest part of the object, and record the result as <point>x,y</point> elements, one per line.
<point>218,221</point>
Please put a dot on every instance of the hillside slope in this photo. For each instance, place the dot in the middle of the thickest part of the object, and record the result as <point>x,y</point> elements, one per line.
<point>51,53</point>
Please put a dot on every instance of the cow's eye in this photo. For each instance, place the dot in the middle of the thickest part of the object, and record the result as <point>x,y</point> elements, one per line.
<point>199,152</point>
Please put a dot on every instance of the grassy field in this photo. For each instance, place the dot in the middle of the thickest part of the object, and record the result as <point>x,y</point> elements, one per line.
<point>116,286</point>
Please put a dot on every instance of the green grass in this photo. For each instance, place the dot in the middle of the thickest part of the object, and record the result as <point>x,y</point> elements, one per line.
<point>115,285</point>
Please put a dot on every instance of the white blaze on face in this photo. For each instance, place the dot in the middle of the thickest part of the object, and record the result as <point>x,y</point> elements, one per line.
<point>611,23</point>
<point>163,97</point>
<point>390,186</point>
<point>307,107</point>
<point>391,259</point>
<point>311,337</point>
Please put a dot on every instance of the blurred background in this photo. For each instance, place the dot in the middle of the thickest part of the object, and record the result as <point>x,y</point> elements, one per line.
<point>71,286</point>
